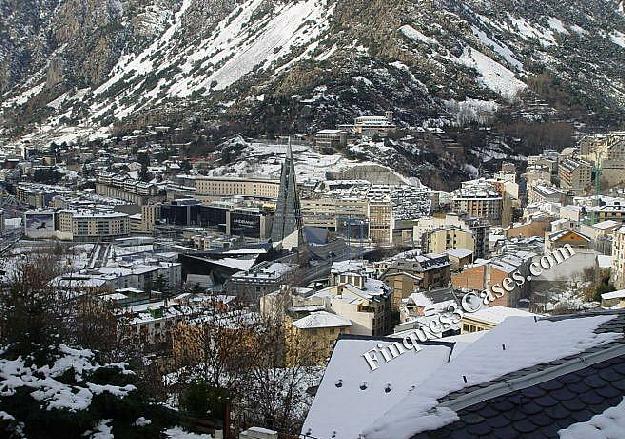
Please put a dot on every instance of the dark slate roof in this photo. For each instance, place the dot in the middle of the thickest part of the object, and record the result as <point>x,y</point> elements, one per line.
<point>440,295</point>
<point>617,324</point>
<point>540,410</point>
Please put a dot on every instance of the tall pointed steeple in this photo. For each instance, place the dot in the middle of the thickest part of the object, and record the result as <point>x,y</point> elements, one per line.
<point>287,225</point>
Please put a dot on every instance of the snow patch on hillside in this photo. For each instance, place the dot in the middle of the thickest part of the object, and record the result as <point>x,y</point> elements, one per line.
<point>492,74</point>
<point>415,35</point>
<point>500,48</point>
<point>557,25</point>
<point>529,31</point>
<point>618,38</point>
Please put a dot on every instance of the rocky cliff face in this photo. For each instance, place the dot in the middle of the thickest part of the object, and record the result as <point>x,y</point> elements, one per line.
<point>283,65</point>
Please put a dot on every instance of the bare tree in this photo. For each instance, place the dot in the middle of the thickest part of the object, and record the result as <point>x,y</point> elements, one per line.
<point>280,371</point>
<point>245,354</point>
<point>31,312</point>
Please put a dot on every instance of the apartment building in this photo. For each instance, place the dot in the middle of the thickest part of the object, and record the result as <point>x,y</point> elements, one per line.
<point>448,238</point>
<point>381,220</point>
<point>483,274</point>
<point>324,211</point>
<point>355,294</point>
<point>546,193</point>
<point>614,210</point>
<point>536,225</point>
<point>150,214</point>
<point>411,270</point>
<point>549,159</point>
<point>215,188</point>
<point>92,225</point>
<point>78,225</point>
<point>37,195</point>
<point>479,200</point>
<point>126,188</point>
<point>606,151</point>
<point>478,227</point>
<point>566,237</point>
<point>575,175</point>
<point>331,139</point>
<point>311,338</point>
<point>618,259</point>
<point>537,174</point>
<point>124,276</point>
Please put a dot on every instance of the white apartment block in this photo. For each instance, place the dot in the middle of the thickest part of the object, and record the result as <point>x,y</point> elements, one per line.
<point>479,200</point>
<point>214,188</point>
<point>545,193</point>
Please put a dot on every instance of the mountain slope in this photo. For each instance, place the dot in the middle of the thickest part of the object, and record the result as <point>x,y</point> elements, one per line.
<point>278,66</point>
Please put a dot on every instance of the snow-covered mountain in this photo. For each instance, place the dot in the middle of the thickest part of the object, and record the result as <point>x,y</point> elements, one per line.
<point>284,65</point>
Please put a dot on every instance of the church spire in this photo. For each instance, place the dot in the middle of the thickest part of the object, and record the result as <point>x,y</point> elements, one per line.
<point>287,225</point>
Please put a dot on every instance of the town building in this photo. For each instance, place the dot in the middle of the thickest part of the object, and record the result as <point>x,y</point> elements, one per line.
<point>567,237</point>
<point>607,152</point>
<point>209,189</point>
<point>614,211</point>
<point>537,174</point>
<point>483,274</point>
<point>613,299</point>
<point>575,176</point>
<point>479,200</point>
<point>488,317</point>
<point>448,238</point>
<point>549,159</point>
<point>328,211</point>
<point>125,187</point>
<point>85,225</point>
<point>314,336</point>
<point>263,278</point>
<point>236,217</point>
<point>374,125</point>
<point>38,196</point>
<point>546,193</point>
<point>409,271</point>
<point>535,225</point>
<point>618,259</point>
<point>477,226</point>
<point>331,139</point>
<point>92,225</point>
<point>381,220</point>
<point>459,258</point>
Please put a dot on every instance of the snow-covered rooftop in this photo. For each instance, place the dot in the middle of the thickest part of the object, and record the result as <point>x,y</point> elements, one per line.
<point>620,294</point>
<point>546,340</point>
<point>497,314</point>
<point>321,319</point>
<point>351,395</point>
